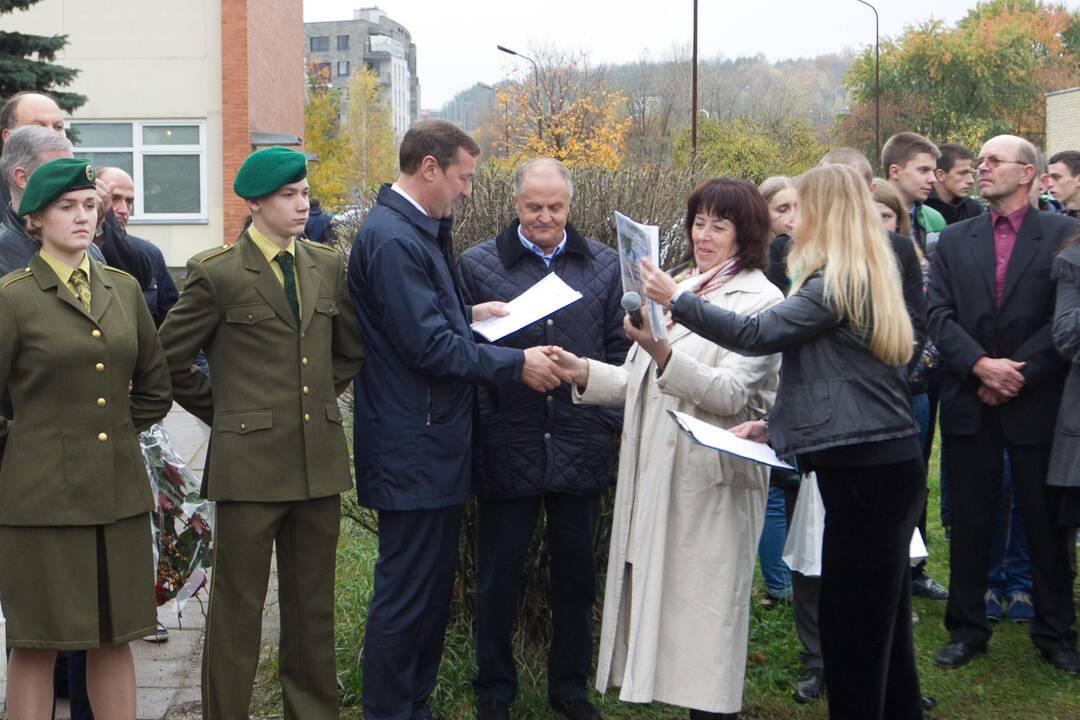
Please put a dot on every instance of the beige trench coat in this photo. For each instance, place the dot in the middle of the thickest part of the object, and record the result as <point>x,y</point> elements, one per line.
<point>686,519</point>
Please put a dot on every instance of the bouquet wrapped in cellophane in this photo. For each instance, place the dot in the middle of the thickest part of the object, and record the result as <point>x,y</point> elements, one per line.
<point>181,519</point>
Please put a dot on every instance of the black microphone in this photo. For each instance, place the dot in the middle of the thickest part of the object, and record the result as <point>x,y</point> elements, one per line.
<point>631,303</point>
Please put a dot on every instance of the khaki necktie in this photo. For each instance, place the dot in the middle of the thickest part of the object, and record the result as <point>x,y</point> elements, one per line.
<point>80,285</point>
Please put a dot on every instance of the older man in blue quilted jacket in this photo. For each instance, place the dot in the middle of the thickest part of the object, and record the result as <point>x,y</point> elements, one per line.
<point>538,450</point>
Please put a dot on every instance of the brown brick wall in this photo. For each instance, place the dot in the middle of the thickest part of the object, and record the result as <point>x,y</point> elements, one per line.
<point>262,85</point>
<point>235,127</point>
<point>276,66</point>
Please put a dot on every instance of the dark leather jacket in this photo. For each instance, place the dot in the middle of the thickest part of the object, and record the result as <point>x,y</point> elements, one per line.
<point>833,391</point>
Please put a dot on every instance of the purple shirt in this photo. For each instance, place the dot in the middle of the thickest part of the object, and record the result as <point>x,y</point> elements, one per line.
<point>1006,227</point>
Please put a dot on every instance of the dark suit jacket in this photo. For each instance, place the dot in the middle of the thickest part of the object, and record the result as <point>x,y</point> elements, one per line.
<point>966,325</point>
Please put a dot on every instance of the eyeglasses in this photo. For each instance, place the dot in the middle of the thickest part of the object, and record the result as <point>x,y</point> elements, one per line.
<point>993,161</point>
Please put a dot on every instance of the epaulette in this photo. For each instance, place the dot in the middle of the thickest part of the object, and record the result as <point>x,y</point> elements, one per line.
<point>320,246</point>
<point>211,254</point>
<point>25,274</point>
<point>118,271</point>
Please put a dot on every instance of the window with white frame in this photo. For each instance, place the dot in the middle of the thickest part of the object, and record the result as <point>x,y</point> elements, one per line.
<point>166,160</point>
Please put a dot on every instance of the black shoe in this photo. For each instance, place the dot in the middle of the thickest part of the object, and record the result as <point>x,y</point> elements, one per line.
<point>492,710</point>
<point>927,587</point>
<point>1066,660</point>
<point>928,703</point>
<point>810,687</point>
<point>956,654</point>
<point>575,709</point>
<point>704,715</point>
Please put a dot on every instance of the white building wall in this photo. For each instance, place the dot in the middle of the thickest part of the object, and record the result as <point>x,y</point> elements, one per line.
<point>142,61</point>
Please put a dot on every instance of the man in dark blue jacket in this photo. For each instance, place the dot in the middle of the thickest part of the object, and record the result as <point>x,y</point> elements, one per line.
<point>540,449</point>
<point>414,410</point>
<point>318,225</point>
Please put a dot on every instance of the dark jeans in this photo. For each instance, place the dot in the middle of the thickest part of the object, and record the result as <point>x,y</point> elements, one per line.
<point>505,530</point>
<point>774,572</point>
<point>920,408</point>
<point>865,608</point>
<point>406,623</point>
<point>976,465</point>
<point>1010,568</point>
<point>70,681</point>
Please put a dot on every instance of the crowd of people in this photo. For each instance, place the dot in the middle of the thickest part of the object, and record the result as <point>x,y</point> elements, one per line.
<point>834,316</point>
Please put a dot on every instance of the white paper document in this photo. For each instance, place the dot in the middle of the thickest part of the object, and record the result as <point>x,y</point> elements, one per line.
<point>539,301</point>
<point>723,440</point>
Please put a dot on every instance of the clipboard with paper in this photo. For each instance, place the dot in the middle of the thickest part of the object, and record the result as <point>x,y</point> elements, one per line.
<point>718,438</point>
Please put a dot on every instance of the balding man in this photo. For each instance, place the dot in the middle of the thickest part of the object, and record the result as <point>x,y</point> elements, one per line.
<point>538,449</point>
<point>25,149</point>
<point>991,308</point>
<point>34,108</point>
<point>22,109</point>
<point>162,294</point>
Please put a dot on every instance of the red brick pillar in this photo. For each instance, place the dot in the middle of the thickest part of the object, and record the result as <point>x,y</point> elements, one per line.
<point>235,122</point>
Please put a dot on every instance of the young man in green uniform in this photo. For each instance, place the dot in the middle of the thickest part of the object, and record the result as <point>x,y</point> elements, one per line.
<point>274,318</point>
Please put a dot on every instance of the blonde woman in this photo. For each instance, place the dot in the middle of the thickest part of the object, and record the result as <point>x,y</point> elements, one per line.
<point>842,410</point>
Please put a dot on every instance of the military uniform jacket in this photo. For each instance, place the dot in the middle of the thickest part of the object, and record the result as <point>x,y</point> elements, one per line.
<point>73,456</point>
<point>271,398</point>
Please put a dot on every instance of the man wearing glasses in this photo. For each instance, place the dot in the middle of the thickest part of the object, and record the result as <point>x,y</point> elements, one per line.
<point>991,307</point>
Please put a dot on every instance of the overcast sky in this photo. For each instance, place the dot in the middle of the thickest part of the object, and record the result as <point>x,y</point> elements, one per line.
<point>456,39</point>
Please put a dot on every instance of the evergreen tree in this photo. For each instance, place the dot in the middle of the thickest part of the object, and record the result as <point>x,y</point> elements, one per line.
<point>26,63</point>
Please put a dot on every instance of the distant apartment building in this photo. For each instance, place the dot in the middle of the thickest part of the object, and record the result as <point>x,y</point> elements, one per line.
<point>344,47</point>
<point>178,94</point>
<point>1063,120</point>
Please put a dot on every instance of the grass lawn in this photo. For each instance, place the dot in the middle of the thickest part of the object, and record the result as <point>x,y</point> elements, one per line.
<point>1011,681</point>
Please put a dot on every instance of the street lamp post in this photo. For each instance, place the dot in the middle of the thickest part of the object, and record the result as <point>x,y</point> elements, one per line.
<point>693,92</point>
<point>536,80</point>
<point>877,84</point>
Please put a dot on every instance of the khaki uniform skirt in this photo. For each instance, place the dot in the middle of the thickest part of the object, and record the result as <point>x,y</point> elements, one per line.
<point>77,587</point>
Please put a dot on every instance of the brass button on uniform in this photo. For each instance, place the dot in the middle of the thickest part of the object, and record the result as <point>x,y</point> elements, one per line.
<point>100,367</point>
<point>95,333</point>
<point>307,418</point>
<point>243,426</point>
<point>102,437</point>
<point>101,402</point>
<point>304,361</point>
<point>307,390</point>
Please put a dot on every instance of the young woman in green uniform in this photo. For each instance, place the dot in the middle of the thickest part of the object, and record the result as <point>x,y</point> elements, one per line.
<point>82,372</point>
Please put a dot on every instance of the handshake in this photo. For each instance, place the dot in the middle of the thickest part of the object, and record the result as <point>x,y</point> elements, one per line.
<point>548,366</point>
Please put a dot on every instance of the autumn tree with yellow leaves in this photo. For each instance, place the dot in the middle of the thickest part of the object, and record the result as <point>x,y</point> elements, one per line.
<point>354,157</point>
<point>562,109</point>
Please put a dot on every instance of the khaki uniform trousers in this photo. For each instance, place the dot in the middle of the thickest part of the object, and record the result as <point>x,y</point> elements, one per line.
<point>306,534</point>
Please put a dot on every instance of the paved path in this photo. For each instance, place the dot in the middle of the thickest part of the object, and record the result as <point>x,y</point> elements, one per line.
<point>168,674</point>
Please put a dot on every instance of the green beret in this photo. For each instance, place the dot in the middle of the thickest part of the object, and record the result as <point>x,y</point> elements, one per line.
<point>52,180</point>
<point>264,171</point>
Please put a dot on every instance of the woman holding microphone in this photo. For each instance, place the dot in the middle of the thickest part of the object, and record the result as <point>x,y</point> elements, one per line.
<point>843,410</point>
<point>687,519</point>
<point>82,364</point>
